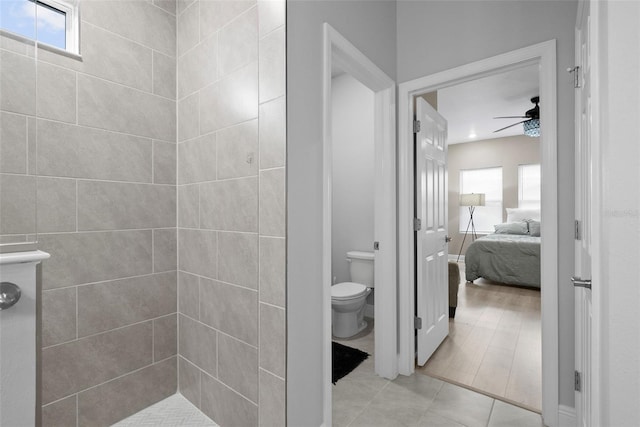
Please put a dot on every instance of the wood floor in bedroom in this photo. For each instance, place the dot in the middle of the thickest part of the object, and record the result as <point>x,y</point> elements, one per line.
<point>494,343</point>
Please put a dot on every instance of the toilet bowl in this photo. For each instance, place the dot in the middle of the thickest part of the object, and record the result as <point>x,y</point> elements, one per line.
<point>347,308</point>
<point>348,299</point>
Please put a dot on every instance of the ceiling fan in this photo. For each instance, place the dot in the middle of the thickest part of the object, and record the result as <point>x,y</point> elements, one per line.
<point>531,124</point>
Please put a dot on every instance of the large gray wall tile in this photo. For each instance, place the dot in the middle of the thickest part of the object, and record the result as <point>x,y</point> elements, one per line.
<point>56,204</point>
<point>58,316</point>
<point>17,83</point>
<point>225,406</point>
<point>13,143</point>
<point>272,202</point>
<point>273,133</point>
<point>273,270</point>
<point>189,381</point>
<point>164,162</point>
<point>189,117</point>
<point>118,399</point>
<point>198,67</point>
<point>189,295</point>
<point>61,413</point>
<point>214,14</point>
<point>198,344</point>
<point>139,21</point>
<point>165,337</point>
<point>238,259</point>
<point>231,100</point>
<point>198,252</point>
<point>273,348</point>
<point>238,42</point>
<point>230,205</point>
<point>238,150</point>
<point>17,204</point>
<point>197,160</point>
<point>168,5</point>
<point>189,206</point>
<point>272,400</point>
<point>79,152</point>
<point>69,368</point>
<point>92,257</point>
<point>56,93</point>
<point>117,206</point>
<point>165,250</point>
<point>238,366</point>
<point>110,106</point>
<point>272,66</point>
<point>230,309</point>
<point>115,58</point>
<point>118,303</point>
<point>188,28</point>
<point>164,75</point>
<point>271,15</point>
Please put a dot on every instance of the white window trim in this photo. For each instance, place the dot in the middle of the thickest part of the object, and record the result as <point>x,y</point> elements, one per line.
<point>72,23</point>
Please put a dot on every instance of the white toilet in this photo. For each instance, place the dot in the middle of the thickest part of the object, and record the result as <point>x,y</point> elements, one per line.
<point>348,299</point>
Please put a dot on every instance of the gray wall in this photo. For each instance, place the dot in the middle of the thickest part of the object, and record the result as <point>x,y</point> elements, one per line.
<point>231,218</point>
<point>508,153</point>
<point>97,140</point>
<point>370,26</point>
<point>437,35</point>
<point>353,168</point>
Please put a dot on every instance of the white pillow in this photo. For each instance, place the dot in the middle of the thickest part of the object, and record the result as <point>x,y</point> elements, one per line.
<point>517,214</point>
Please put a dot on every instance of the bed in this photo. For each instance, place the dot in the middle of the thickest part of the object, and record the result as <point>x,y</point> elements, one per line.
<point>506,258</point>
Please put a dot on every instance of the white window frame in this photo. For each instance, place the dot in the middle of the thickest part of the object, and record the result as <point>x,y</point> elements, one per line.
<point>520,182</point>
<point>464,216</point>
<point>72,23</point>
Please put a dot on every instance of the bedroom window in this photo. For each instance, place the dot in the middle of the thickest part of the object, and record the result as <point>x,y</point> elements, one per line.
<point>50,22</point>
<point>489,182</point>
<point>529,188</point>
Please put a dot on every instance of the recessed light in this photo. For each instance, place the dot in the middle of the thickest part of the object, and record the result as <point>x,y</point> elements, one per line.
<point>472,135</point>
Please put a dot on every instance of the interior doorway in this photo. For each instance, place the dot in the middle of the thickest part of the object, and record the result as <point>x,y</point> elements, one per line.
<point>543,56</point>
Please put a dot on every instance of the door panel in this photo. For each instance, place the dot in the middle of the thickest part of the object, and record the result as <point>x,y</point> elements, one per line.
<point>431,247</point>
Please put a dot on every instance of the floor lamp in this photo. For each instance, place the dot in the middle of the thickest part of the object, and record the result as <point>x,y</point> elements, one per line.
<point>472,200</point>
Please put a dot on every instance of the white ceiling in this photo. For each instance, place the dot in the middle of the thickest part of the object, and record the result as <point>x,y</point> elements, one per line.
<point>470,107</point>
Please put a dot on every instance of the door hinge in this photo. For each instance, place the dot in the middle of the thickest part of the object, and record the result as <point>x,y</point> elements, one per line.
<point>417,322</point>
<point>577,228</point>
<point>576,76</point>
<point>416,126</point>
<point>577,381</point>
<point>417,224</point>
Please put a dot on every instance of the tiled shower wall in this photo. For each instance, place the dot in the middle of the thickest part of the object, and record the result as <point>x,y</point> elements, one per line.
<point>106,206</point>
<point>231,209</point>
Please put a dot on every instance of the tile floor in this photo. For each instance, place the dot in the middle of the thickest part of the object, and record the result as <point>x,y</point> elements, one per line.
<point>174,411</point>
<point>364,399</point>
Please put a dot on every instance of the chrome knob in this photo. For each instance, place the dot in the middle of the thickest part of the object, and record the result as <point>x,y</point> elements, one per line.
<point>9,295</point>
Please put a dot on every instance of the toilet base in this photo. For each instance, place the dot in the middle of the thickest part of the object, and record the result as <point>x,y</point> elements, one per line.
<point>346,325</point>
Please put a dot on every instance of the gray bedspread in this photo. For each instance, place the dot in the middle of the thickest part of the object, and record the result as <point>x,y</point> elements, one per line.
<point>505,258</point>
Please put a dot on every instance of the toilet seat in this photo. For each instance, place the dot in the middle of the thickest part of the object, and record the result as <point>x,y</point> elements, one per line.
<point>347,291</point>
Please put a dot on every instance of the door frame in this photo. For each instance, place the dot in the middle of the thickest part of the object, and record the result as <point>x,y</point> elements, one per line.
<point>337,50</point>
<point>544,55</point>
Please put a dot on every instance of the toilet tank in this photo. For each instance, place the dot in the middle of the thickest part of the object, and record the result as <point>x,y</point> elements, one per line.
<point>361,267</point>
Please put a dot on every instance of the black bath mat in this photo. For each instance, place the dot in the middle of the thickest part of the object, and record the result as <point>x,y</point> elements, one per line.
<point>344,360</point>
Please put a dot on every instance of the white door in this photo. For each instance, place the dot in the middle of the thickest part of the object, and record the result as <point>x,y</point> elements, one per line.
<point>583,185</point>
<point>432,295</point>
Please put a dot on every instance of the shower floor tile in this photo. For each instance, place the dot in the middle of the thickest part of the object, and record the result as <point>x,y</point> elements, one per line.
<point>174,411</point>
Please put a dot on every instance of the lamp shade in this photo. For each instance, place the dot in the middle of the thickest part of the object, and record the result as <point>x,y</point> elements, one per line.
<point>532,127</point>
<point>472,199</point>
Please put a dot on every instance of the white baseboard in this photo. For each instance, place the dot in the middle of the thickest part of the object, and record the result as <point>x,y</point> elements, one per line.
<point>368,311</point>
<point>567,416</point>
<point>454,257</point>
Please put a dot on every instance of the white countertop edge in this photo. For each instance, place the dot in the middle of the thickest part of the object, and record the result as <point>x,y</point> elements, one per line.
<point>20,257</point>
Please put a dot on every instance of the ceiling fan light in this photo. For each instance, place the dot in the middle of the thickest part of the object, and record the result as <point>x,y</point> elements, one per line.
<point>532,127</point>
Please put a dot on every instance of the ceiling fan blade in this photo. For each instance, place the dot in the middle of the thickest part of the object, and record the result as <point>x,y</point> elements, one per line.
<point>510,126</point>
<point>512,117</point>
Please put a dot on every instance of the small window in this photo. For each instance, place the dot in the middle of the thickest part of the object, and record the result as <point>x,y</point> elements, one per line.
<point>51,22</point>
<point>489,182</point>
<point>529,189</point>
